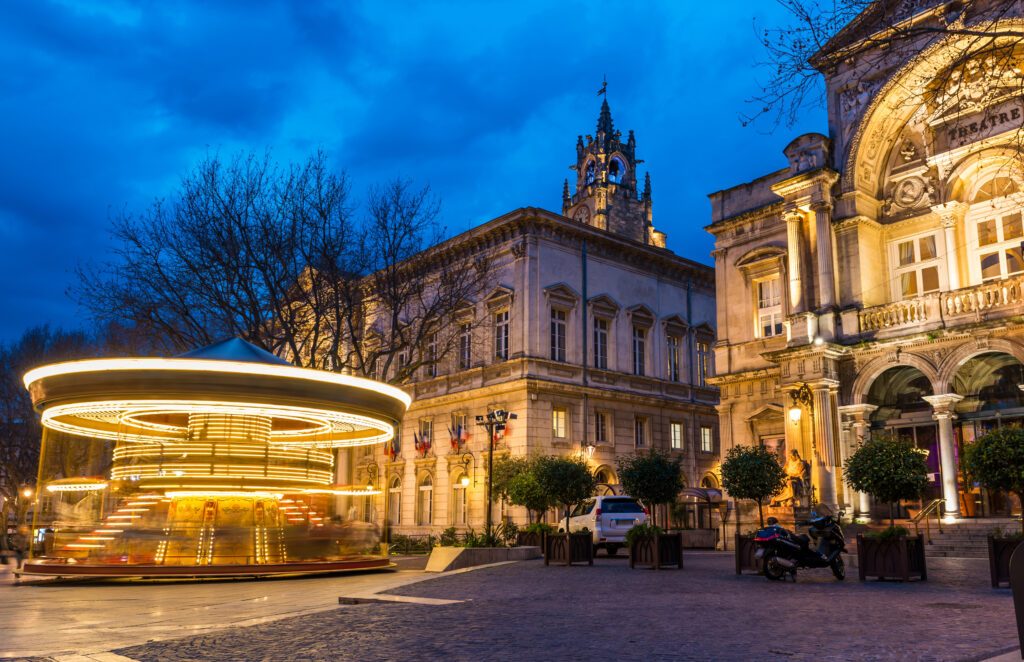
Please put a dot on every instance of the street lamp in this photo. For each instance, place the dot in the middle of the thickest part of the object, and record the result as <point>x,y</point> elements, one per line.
<point>494,421</point>
<point>465,462</point>
<point>587,449</point>
<point>802,397</point>
<point>371,472</point>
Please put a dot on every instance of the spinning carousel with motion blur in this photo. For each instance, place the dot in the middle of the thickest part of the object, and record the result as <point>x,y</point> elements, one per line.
<point>219,462</point>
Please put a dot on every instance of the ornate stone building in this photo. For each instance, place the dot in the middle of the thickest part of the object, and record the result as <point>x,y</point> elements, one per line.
<point>644,314</point>
<point>875,282</point>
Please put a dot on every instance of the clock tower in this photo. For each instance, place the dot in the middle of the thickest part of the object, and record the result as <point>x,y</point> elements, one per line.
<point>606,194</point>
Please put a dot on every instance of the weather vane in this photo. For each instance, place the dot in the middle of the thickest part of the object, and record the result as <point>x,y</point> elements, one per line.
<point>604,86</point>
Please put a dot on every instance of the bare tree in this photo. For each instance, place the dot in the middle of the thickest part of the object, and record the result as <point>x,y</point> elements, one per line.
<point>279,257</point>
<point>20,430</point>
<point>825,33</point>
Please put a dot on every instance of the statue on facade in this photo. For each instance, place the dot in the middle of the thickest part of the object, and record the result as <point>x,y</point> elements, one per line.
<point>797,480</point>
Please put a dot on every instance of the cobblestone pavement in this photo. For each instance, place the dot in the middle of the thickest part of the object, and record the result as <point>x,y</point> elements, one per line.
<point>705,612</point>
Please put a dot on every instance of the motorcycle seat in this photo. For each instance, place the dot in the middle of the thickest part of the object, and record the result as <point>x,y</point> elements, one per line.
<point>805,540</point>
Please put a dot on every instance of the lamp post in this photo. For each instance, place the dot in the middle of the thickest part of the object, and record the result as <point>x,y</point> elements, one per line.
<point>26,496</point>
<point>465,462</point>
<point>494,421</point>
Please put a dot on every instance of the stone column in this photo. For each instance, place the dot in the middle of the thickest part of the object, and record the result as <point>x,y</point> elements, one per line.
<point>826,433</point>
<point>950,214</point>
<point>794,263</point>
<point>826,271</point>
<point>859,418</point>
<point>942,411</point>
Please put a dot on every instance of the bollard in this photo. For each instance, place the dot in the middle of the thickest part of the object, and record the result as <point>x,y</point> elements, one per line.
<point>1017,586</point>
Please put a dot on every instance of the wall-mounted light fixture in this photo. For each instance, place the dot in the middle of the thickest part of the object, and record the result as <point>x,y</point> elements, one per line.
<point>802,397</point>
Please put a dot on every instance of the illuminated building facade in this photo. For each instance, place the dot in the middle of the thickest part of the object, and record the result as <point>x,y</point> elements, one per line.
<point>882,268</point>
<point>619,362</point>
<point>218,462</point>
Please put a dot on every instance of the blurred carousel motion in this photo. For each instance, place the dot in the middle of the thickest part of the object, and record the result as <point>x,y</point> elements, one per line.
<point>217,462</point>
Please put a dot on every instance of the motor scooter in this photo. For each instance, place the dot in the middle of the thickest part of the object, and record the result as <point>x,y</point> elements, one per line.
<point>781,551</point>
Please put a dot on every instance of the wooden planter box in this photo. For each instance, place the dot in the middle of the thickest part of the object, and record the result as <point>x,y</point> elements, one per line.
<point>999,552</point>
<point>658,551</point>
<point>745,560</point>
<point>568,548</point>
<point>530,539</point>
<point>896,558</point>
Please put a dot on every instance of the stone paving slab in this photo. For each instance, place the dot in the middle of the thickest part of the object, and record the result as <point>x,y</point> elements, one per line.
<point>705,612</point>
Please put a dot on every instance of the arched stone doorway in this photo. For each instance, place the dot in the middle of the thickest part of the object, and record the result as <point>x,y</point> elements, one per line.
<point>607,483</point>
<point>899,396</point>
<point>988,384</point>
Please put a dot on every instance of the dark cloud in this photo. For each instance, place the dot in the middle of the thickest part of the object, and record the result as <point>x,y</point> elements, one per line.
<point>105,105</point>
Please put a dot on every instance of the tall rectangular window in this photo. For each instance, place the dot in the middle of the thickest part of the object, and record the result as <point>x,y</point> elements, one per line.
<point>703,363</point>
<point>558,319</point>
<point>917,267</point>
<point>501,335</point>
<point>600,343</point>
<point>465,346</point>
<point>600,427</point>
<point>675,429</point>
<point>673,344</point>
<point>430,356</point>
<point>769,307</point>
<point>558,422</point>
<point>639,349</point>
<point>426,429</point>
<point>640,431</point>
<point>999,246</point>
<point>707,439</point>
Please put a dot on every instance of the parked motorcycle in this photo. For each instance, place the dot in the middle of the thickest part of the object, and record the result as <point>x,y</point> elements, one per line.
<point>781,551</point>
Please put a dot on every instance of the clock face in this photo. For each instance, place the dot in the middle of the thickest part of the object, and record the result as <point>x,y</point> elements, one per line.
<point>582,214</point>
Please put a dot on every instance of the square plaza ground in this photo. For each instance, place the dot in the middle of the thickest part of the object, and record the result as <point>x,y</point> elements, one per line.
<point>528,611</point>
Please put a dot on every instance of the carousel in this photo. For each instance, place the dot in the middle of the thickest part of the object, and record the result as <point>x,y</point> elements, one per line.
<point>219,462</point>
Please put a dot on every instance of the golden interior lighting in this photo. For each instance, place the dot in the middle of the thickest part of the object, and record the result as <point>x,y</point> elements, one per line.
<point>219,462</point>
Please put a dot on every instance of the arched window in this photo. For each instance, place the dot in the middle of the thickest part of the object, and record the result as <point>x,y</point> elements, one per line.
<point>425,502</point>
<point>997,187</point>
<point>616,170</point>
<point>460,499</point>
<point>591,173</point>
<point>709,482</point>
<point>395,501</point>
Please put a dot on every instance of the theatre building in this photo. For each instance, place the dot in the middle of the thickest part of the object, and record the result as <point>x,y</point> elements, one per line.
<point>876,282</point>
<point>594,334</point>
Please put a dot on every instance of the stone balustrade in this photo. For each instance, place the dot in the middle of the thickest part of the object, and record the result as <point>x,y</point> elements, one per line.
<point>899,313</point>
<point>996,298</point>
<point>984,297</point>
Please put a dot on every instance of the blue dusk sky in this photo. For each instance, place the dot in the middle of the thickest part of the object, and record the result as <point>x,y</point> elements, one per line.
<point>106,104</point>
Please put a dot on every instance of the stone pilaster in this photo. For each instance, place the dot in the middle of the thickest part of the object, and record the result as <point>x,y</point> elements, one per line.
<point>826,270</point>
<point>826,434</point>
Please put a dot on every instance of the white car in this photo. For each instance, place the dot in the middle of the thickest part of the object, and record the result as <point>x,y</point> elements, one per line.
<point>608,518</point>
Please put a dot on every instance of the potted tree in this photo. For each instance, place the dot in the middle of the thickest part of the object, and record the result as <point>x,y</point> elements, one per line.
<point>751,472</point>
<point>655,478</point>
<point>524,490</point>
<point>566,482</point>
<point>996,461</point>
<point>890,470</point>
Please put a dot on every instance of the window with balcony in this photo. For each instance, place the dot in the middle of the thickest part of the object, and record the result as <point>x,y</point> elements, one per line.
<point>999,246</point>
<point>769,307</point>
<point>558,324</point>
<point>915,266</point>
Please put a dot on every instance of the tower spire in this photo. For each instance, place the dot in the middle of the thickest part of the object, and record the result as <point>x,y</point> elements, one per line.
<point>604,120</point>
